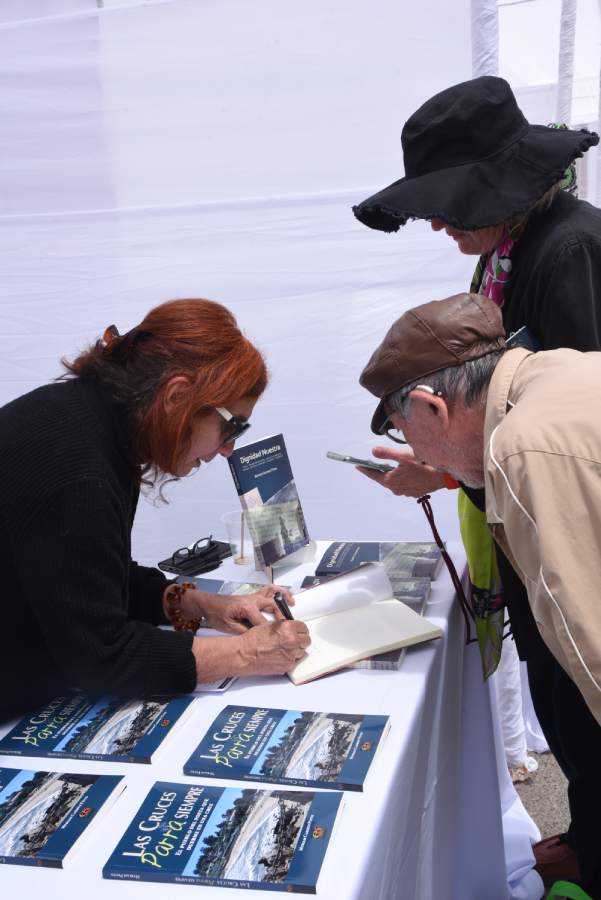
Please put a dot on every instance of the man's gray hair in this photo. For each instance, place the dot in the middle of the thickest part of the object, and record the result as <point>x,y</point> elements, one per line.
<point>466,383</point>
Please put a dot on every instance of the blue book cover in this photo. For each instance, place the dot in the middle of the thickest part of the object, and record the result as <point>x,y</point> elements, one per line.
<point>287,746</point>
<point>265,485</point>
<point>44,814</point>
<point>227,837</point>
<point>226,588</point>
<point>401,559</point>
<point>75,726</point>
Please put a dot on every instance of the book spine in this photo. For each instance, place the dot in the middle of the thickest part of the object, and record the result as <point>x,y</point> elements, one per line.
<point>235,476</point>
<point>94,757</point>
<point>31,861</point>
<point>172,878</point>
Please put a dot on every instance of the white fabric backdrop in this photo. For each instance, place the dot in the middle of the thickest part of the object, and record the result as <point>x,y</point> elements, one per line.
<point>170,148</point>
<point>182,149</point>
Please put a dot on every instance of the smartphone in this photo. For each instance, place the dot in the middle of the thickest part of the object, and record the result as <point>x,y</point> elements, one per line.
<point>366,463</point>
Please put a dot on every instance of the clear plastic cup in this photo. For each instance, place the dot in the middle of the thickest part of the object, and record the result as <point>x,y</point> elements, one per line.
<point>238,535</point>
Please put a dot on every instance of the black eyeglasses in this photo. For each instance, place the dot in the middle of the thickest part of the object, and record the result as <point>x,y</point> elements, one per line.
<point>387,430</point>
<point>202,547</point>
<point>237,425</point>
<point>388,427</point>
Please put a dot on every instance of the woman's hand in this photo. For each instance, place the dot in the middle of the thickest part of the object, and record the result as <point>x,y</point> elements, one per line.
<point>268,649</point>
<point>409,479</point>
<point>238,613</point>
<point>274,648</point>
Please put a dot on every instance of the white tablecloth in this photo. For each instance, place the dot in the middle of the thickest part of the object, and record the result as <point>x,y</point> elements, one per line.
<point>439,819</point>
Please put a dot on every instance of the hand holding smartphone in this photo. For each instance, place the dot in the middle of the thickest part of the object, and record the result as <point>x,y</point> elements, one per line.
<point>366,463</point>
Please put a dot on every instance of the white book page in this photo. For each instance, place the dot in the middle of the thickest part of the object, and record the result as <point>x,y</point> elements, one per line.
<point>360,587</point>
<point>340,639</point>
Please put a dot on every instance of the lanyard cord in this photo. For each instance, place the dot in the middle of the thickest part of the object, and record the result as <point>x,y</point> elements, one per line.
<point>466,609</point>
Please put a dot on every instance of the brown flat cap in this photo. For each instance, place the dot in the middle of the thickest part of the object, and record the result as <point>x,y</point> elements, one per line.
<point>428,338</point>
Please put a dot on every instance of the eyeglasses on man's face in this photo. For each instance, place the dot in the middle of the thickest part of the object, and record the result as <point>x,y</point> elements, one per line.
<point>235,426</point>
<point>388,427</point>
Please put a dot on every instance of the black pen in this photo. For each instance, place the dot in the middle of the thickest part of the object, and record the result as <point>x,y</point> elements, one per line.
<point>278,599</point>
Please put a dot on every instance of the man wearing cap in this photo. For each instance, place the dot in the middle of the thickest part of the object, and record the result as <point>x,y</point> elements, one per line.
<point>504,190</point>
<point>526,427</point>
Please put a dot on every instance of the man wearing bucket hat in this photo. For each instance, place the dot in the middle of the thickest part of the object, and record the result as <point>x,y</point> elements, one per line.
<point>524,426</point>
<point>501,188</point>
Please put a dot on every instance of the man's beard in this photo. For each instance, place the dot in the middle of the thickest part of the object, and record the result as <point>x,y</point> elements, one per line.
<point>470,480</point>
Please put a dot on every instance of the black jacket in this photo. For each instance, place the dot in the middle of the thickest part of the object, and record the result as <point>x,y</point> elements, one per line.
<point>76,610</point>
<point>555,291</point>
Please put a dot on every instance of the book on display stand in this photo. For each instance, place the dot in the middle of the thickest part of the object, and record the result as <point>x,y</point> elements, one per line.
<point>267,491</point>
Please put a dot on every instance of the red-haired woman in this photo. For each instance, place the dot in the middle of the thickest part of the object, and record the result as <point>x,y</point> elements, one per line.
<point>164,398</point>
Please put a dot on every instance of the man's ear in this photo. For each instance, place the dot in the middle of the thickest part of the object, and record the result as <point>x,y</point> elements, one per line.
<point>173,392</point>
<point>430,404</point>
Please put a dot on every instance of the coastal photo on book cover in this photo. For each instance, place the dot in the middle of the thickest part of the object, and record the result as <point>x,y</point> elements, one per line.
<point>403,559</point>
<point>227,837</point>
<point>76,726</point>
<point>44,814</point>
<point>287,746</point>
<point>224,588</point>
<point>266,488</point>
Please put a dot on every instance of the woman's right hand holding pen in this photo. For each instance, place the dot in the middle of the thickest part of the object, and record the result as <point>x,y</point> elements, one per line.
<point>273,648</point>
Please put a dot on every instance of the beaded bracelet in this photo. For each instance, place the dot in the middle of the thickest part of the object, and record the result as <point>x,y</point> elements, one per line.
<point>173,597</point>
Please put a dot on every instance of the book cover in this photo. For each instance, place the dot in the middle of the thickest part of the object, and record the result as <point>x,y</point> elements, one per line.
<point>225,588</point>
<point>265,485</point>
<point>76,726</point>
<point>404,559</point>
<point>227,837</point>
<point>287,746</point>
<point>44,814</point>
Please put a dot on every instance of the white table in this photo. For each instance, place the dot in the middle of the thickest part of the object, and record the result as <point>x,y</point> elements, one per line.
<point>439,819</point>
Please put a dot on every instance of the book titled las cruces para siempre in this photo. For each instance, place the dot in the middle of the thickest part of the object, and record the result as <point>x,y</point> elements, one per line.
<point>227,837</point>
<point>76,726</point>
<point>287,746</point>
<point>43,815</point>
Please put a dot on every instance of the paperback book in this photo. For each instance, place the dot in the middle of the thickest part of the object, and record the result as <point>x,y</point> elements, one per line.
<point>414,592</point>
<point>404,559</point>
<point>227,837</point>
<point>352,617</point>
<point>225,588</point>
<point>265,485</point>
<point>287,746</point>
<point>75,726</point>
<point>43,815</point>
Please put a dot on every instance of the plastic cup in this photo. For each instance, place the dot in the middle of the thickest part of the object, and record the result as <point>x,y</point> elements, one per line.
<point>238,536</point>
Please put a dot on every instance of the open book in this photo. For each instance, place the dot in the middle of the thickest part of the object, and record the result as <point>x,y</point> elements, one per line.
<point>353,616</point>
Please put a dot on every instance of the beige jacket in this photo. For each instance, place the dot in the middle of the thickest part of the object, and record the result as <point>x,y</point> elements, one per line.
<point>542,459</point>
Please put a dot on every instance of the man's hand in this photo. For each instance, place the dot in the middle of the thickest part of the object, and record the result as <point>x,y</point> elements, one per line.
<point>238,613</point>
<point>273,649</point>
<point>409,479</point>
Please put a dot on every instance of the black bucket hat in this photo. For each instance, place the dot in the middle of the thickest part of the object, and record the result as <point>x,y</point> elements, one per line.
<point>473,160</point>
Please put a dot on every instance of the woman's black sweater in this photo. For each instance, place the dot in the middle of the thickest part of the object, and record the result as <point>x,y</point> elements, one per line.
<point>77,610</point>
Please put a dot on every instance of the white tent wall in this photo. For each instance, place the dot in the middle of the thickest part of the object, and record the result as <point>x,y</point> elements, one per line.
<point>183,149</point>
<point>173,148</point>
